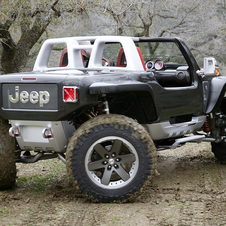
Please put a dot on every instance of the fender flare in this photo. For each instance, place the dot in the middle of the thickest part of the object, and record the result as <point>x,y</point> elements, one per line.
<point>216,93</point>
<point>127,86</point>
<point>107,87</point>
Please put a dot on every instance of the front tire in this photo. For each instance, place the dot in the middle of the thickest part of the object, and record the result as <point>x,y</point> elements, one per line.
<point>219,150</point>
<point>110,157</point>
<point>7,157</point>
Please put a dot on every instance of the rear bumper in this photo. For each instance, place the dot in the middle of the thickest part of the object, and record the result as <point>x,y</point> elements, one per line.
<point>30,135</point>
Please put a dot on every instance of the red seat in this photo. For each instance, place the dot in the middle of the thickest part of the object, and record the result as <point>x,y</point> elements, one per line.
<point>64,58</point>
<point>121,61</point>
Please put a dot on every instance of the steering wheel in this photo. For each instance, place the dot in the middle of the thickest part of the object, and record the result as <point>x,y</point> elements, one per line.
<point>106,60</point>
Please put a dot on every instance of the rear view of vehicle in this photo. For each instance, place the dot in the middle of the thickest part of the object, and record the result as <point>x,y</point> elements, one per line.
<point>106,115</point>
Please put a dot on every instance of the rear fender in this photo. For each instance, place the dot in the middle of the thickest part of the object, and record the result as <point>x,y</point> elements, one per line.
<point>139,95</point>
<point>216,93</point>
<point>108,87</point>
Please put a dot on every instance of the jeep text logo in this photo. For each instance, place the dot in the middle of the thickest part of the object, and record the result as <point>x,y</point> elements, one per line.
<point>34,97</point>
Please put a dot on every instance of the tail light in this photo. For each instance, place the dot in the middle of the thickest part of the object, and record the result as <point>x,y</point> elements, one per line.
<point>14,131</point>
<point>70,94</point>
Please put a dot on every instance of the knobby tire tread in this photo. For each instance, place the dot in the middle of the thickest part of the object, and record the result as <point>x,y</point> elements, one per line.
<point>219,150</point>
<point>7,157</point>
<point>91,127</point>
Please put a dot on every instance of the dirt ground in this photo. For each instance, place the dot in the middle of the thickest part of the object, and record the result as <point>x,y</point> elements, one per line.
<point>190,189</point>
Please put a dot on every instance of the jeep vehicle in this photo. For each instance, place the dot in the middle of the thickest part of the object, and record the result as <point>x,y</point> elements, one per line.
<point>106,115</point>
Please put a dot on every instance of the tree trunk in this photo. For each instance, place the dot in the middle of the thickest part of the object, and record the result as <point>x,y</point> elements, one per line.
<point>14,55</point>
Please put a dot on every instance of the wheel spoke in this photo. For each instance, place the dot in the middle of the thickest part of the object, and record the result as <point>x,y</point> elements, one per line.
<point>106,177</point>
<point>116,147</point>
<point>127,158</point>
<point>95,165</point>
<point>111,162</point>
<point>100,150</point>
<point>122,173</point>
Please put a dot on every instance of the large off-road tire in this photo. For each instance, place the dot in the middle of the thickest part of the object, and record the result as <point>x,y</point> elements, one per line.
<point>110,157</point>
<point>219,150</point>
<point>7,157</point>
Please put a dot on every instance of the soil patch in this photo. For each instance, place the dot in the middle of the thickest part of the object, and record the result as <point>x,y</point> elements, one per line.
<point>188,189</point>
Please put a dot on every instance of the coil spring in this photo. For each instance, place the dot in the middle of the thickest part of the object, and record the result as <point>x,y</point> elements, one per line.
<point>99,108</point>
<point>206,126</point>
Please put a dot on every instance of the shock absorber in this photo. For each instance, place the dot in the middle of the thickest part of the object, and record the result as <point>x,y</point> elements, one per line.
<point>206,126</point>
<point>102,106</point>
<point>105,103</point>
<point>99,108</point>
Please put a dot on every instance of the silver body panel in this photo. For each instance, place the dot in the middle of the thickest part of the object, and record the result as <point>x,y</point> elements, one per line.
<point>164,130</point>
<point>31,135</point>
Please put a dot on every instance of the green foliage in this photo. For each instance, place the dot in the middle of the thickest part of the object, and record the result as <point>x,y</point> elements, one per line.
<point>3,210</point>
<point>39,183</point>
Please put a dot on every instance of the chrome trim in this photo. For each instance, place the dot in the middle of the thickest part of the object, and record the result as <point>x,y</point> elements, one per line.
<point>43,97</point>
<point>195,138</point>
<point>62,158</point>
<point>164,130</point>
<point>30,110</point>
<point>12,131</point>
<point>75,94</point>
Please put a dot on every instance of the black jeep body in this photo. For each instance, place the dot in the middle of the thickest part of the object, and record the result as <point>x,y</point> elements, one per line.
<point>127,99</point>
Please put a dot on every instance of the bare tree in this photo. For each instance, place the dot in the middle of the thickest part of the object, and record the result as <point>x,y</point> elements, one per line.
<point>145,17</point>
<point>22,22</point>
<point>30,19</point>
<point>200,23</point>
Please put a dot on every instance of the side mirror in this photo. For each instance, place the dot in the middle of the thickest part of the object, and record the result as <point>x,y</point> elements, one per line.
<point>211,67</point>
